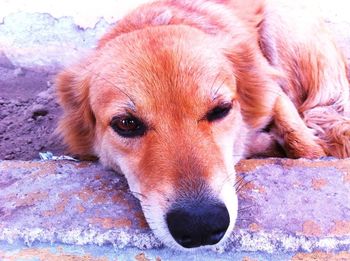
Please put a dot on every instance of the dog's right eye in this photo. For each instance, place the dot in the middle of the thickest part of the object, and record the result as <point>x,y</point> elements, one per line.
<point>128,126</point>
<point>219,112</point>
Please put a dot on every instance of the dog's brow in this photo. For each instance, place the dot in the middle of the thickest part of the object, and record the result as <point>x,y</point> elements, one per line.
<point>131,104</point>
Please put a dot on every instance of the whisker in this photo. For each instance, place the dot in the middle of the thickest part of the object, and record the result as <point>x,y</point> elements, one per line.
<point>215,94</point>
<point>244,184</point>
<point>138,194</point>
<point>239,181</point>
<point>228,178</point>
<point>240,209</point>
<point>245,219</point>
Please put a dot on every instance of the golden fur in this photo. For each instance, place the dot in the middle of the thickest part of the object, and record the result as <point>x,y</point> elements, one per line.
<point>169,62</point>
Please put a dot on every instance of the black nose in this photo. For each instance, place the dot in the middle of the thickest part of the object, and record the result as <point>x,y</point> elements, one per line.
<point>194,225</point>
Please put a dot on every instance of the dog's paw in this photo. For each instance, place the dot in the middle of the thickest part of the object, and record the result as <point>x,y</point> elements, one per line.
<point>305,149</point>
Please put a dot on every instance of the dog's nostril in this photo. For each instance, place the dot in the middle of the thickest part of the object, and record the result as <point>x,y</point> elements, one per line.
<point>198,224</point>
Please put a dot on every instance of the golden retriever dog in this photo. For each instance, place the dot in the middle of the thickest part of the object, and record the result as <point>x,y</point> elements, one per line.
<point>180,90</point>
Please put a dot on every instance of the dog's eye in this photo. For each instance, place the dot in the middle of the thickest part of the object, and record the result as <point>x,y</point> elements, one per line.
<point>219,112</point>
<point>128,126</point>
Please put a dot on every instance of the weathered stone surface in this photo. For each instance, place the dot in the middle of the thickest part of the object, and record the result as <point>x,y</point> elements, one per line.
<point>286,206</point>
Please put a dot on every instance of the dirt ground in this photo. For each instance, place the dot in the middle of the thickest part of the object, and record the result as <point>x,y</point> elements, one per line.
<point>28,113</point>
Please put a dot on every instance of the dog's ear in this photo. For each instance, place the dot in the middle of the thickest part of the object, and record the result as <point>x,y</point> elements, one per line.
<point>257,89</point>
<point>77,124</point>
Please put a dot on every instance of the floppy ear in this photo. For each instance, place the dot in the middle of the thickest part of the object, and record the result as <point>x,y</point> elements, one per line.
<point>256,84</point>
<point>77,124</point>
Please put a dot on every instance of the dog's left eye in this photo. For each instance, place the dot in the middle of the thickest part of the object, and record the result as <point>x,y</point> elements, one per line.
<point>219,112</point>
<point>128,126</point>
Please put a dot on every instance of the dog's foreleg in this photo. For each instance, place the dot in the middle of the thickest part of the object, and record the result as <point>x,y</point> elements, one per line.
<point>297,139</point>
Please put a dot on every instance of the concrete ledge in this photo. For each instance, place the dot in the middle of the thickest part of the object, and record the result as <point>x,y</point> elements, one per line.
<point>287,208</point>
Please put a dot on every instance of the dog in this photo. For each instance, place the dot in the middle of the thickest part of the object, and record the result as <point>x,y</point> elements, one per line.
<point>177,92</point>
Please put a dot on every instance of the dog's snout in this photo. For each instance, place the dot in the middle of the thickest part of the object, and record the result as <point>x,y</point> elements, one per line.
<point>198,224</point>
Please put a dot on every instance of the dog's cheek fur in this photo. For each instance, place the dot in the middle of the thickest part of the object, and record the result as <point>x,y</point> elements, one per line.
<point>231,137</point>
<point>140,181</point>
<point>77,124</point>
<point>231,140</point>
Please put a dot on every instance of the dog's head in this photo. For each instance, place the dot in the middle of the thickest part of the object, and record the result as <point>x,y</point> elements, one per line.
<point>163,106</point>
